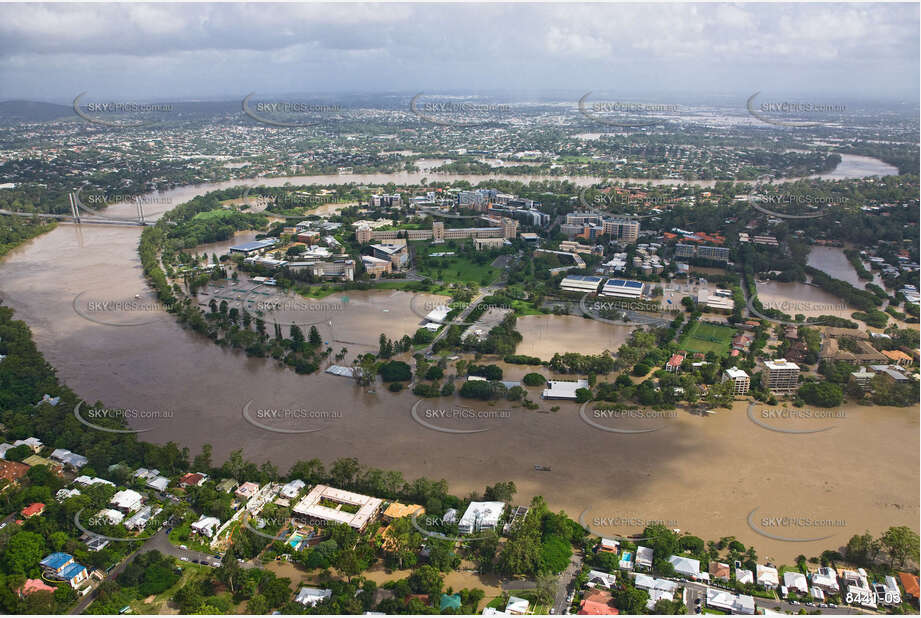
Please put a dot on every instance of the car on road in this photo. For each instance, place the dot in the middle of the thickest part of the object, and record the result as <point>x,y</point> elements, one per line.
<point>183,558</point>
<point>183,547</point>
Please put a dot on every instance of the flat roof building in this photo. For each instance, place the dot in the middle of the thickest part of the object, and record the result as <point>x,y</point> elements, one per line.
<point>622,288</point>
<point>481,516</point>
<point>740,380</point>
<point>563,389</point>
<point>253,247</point>
<point>781,376</point>
<point>311,509</point>
<point>581,283</point>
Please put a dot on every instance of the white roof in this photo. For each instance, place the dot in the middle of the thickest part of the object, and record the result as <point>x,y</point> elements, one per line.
<point>817,593</point>
<point>794,579</point>
<point>517,605</point>
<point>735,603</point>
<point>438,314</point>
<point>126,499</point>
<point>644,556</point>
<point>744,576</point>
<point>735,373</point>
<point>312,596</point>
<point>610,543</point>
<point>563,389</point>
<point>685,565</point>
<point>766,576</point>
<point>481,514</point>
<point>206,525</point>
<point>780,363</point>
<point>291,489</point>
<point>113,516</point>
<point>607,579</point>
<point>309,506</point>
<point>85,480</point>
<point>159,483</point>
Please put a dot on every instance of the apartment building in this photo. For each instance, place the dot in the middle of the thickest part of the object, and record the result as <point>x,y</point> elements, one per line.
<point>740,380</point>
<point>781,376</point>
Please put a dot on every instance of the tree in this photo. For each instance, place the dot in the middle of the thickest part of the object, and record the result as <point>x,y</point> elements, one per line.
<point>426,580</point>
<point>314,337</point>
<point>24,551</point>
<point>347,563</point>
<point>901,543</point>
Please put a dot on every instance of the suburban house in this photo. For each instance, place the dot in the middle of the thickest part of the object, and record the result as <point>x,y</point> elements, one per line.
<point>193,479</point>
<point>246,490</point>
<point>127,500</point>
<point>720,571</point>
<point>312,596</point>
<point>744,576</point>
<point>644,557</point>
<point>689,567</point>
<point>600,578</point>
<point>36,508</point>
<point>728,602</point>
<point>794,580</point>
<point>766,576</point>
<point>206,526</point>
<point>69,459</point>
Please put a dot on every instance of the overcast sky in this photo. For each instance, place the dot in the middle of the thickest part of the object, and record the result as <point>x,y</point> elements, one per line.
<point>187,51</point>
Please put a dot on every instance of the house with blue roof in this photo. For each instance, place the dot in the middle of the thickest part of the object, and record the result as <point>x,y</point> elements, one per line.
<point>56,561</point>
<point>73,574</point>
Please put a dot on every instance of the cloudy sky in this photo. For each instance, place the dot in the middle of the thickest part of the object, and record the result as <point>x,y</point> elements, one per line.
<point>52,52</point>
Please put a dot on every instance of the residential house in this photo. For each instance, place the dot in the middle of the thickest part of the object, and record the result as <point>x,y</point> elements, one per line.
<point>766,576</point>
<point>689,567</point>
<point>744,576</point>
<point>826,578</point>
<point>597,603</point>
<point>794,580</point>
<point>731,603</point>
<point>68,458</point>
<point>600,578</point>
<point>291,489</point>
<point>127,501</point>
<point>643,557</point>
<point>36,508</point>
<point>12,471</point>
<point>247,490</point>
<point>480,516</point>
<point>719,571</point>
<point>193,479</point>
<point>312,596</point>
<point>206,525</point>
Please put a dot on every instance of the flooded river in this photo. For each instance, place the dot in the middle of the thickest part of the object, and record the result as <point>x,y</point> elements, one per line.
<point>708,474</point>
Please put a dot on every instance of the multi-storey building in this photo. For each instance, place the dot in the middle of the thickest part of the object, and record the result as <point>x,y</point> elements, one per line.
<point>740,380</point>
<point>780,376</point>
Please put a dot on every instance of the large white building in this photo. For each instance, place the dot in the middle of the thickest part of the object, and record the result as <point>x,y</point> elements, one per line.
<point>310,510</point>
<point>781,376</point>
<point>563,389</point>
<point>622,288</point>
<point>481,516</point>
<point>581,283</point>
<point>740,380</point>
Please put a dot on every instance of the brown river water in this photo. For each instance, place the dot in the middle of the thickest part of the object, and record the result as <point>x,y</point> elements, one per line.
<point>712,476</point>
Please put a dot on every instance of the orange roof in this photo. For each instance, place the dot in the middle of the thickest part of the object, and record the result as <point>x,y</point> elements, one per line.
<point>896,355</point>
<point>909,583</point>
<point>397,510</point>
<point>36,508</point>
<point>596,603</point>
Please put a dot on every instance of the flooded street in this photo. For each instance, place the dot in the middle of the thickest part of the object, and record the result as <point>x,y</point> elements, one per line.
<point>717,468</point>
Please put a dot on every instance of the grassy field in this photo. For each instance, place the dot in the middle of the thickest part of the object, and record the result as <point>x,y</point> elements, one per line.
<point>707,337</point>
<point>454,269</point>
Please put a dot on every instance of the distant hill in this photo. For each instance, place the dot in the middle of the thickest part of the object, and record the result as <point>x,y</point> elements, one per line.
<point>32,111</point>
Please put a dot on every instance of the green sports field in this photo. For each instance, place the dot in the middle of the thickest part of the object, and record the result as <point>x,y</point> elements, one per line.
<point>706,337</point>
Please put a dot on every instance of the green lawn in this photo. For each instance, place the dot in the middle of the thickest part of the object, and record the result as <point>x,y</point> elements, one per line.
<point>707,337</point>
<point>454,269</point>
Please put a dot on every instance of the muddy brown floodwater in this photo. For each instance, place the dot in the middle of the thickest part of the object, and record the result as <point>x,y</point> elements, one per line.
<point>708,475</point>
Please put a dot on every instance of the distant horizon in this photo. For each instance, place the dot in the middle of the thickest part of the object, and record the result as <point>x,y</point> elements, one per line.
<point>203,51</point>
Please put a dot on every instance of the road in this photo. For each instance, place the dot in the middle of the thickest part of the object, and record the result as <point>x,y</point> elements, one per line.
<point>566,584</point>
<point>459,319</point>
<point>160,542</point>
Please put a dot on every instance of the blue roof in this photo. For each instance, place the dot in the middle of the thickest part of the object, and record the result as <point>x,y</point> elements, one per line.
<point>72,570</point>
<point>254,244</point>
<point>589,278</point>
<point>623,283</point>
<point>56,560</point>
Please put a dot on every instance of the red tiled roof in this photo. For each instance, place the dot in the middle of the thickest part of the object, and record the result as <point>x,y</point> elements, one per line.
<point>909,583</point>
<point>192,478</point>
<point>35,508</point>
<point>12,470</point>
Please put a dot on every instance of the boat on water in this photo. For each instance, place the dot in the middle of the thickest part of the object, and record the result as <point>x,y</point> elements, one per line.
<point>542,468</point>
